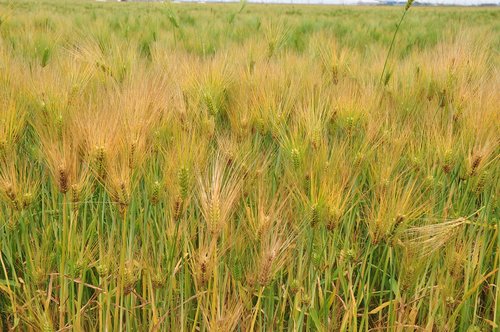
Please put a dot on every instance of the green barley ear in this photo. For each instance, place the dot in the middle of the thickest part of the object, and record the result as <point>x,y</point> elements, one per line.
<point>307,184</point>
<point>448,161</point>
<point>359,159</point>
<point>75,192</point>
<point>260,125</point>
<point>430,181</point>
<point>334,215</point>
<point>39,276</point>
<point>123,196</point>
<point>349,125</point>
<point>155,193</point>
<point>347,255</point>
<point>158,279</point>
<point>209,103</point>
<point>27,200</point>
<point>59,126</point>
<point>12,224</point>
<point>130,277</point>
<point>45,57</point>
<point>335,73</point>
<point>416,163</point>
<point>214,216</point>
<point>11,196</point>
<point>314,215</point>
<point>316,255</point>
<point>132,154</point>
<point>100,162</point>
<point>156,141</point>
<point>316,138</point>
<point>442,98</point>
<point>408,4</point>
<point>295,286</point>
<point>103,270</point>
<point>295,154</point>
<point>306,300</point>
<point>400,218</point>
<point>183,178</point>
<point>3,148</point>
<point>251,66</point>
<point>387,77</point>
<point>46,323</point>
<point>481,181</point>
<point>237,270</point>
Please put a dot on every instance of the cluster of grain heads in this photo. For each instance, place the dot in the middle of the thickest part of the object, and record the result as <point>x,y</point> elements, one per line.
<point>179,177</point>
<point>214,89</point>
<point>119,179</point>
<point>204,260</point>
<point>276,34</point>
<point>156,191</point>
<point>61,150</point>
<point>425,240</point>
<point>313,116</point>
<point>220,188</point>
<point>334,60</point>
<point>18,186</point>
<point>265,214</point>
<point>271,258</point>
<point>394,203</point>
<point>338,204</point>
<point>479,157</point>
<point>228,317</point>
<point>12,123</point>
<point>162,172</point>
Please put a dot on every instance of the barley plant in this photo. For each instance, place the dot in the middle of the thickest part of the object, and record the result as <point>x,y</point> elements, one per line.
<point>243,167</point>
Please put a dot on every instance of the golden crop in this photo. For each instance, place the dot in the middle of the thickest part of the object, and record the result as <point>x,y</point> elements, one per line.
<point>228,167</point>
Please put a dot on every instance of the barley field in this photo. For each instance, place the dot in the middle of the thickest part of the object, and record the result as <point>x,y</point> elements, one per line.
<point>233,167</point>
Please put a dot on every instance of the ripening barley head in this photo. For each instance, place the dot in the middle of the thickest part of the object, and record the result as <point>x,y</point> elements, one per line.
<point>19,183</point>
<point>220,188</point>
<point>265,209</point>
<point>338,203</point>
<point>427,239</point>
<point>392,207</point>
<point>272,259</point>
<point>203,260</point>
<point>228,316</point>
<point>61,145</point>
<point>408,4</point>
<point>131,274</point>
<point>155,189</point>
<point>312,116</point>
<point>120,180</point>
<point>12,122</point>
<point>478,157</point>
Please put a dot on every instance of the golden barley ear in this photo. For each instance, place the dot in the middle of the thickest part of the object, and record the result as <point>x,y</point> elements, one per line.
<point>426,240</point>
<point>220,188</point>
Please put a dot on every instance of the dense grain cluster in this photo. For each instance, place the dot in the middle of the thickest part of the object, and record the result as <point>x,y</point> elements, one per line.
<point>226,167</point>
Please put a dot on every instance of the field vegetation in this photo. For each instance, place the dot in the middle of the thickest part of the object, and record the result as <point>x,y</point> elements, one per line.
<point>195,167</point>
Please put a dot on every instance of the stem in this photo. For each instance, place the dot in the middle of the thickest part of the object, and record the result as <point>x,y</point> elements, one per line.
<point>11,294</point>
<point>64,247</point>
<point>257,306</point>
<point>392,44</point>
<point>119,289</point>
<point>74,218</point>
